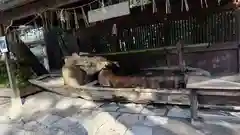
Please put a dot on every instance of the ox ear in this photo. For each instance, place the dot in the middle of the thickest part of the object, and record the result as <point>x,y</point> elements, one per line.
<point>116,63</point>
<point>102,65</point>
<point>75,54</point>
<point>66,59</point>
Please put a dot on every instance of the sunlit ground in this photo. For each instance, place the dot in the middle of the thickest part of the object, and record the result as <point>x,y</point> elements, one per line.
<point>49,113</point>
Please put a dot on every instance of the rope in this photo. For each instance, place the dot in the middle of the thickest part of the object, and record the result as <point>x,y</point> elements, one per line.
<point>72,8</point>
<point>184,3</point>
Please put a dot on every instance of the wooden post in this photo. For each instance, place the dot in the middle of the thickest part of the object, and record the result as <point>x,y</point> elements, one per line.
<point>193,105</point>
<point>237,16</point>
<point>15,98</point>
<point>45,58</point>
<point>181,62</point>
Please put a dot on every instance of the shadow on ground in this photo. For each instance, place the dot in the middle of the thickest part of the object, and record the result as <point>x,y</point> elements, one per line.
<point>52,114</point>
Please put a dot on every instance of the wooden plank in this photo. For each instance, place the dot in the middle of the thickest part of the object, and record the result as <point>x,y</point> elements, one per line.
<point>219,83</point>
<point>172,49</point>
<point>22,52</point>
<point>237,16</point>
<point>218,93</point>
<point>15,96</point>
<point>24,92</point>
<point>193,106</point>
<point>148,50</point>
<point>31,9</point>
<point>97,88</point>
<point>14,3</point>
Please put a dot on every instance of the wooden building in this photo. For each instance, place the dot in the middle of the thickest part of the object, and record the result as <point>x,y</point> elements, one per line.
<point>142,35</point>
<point>143,38</point>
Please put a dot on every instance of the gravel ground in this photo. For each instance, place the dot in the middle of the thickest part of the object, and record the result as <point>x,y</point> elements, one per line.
<point>51,114</point>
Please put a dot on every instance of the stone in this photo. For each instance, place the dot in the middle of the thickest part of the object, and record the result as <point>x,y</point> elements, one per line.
<point>66,112</point>
<point>151,110</point>
<point>48,119</point>
<point>32,133</point>
<point>109,107</point>
<point>31,126</point>
<point>5,128</point>
<point>130,108</point>
<point>65,123</point>
<point>178,112</point>
<point>64,103</point>
<point>129,119</point>
<point>78,129</point>
<point>141,130</point>
<point>154,120</point>
<point>90,105</point>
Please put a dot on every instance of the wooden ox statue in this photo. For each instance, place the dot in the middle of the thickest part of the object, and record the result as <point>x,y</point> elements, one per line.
<point>73,74</point>
<point>108,78</point>
<point>79,70</point>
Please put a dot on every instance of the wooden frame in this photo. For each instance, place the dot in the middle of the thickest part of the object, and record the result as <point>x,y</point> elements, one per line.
<point>139,95</point>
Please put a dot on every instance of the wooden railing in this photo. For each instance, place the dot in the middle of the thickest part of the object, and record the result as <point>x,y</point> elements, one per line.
<point>214,28</point>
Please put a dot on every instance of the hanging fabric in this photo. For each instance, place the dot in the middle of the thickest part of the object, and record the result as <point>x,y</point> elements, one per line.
<point>15,38</point>
<point>67,18</point>
<point>114,29</point>
<point>51,19</point>
<point>85,17</point>
<point>76,20</point>
<point>184,3</point>
<point>8,27</point>
<point>168,7</point>
<point>35,24</point>
<point>36,28</point>
<point>142,5</point>
<point>205,3</point>
<point>42,20</point>
<point>103,7</point>
<point>91,24</point>
<point>154,7</point>
<point>45,20</point>
<point>62,18</point>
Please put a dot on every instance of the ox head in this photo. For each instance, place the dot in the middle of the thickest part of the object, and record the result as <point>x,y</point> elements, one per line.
<point>106,64</point>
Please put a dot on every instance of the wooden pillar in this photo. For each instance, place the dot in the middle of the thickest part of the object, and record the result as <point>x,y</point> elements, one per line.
<point>15,98</point>
<point>45,58</point>
<point>181,62</point>
<point>194,105</point>
<point>237,16</point>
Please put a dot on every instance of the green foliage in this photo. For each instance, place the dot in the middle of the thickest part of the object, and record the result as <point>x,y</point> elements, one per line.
<point>22,74</point>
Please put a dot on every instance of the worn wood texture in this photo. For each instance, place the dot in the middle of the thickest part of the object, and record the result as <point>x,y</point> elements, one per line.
<point>220,58</point>
<point>79,70</point>
<point>206,97</point>
<point>25,56</point>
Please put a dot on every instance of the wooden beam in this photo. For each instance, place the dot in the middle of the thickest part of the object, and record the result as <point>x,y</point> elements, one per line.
<point>31,9</point>
<point>15,98</point>
<point>14,3</point>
